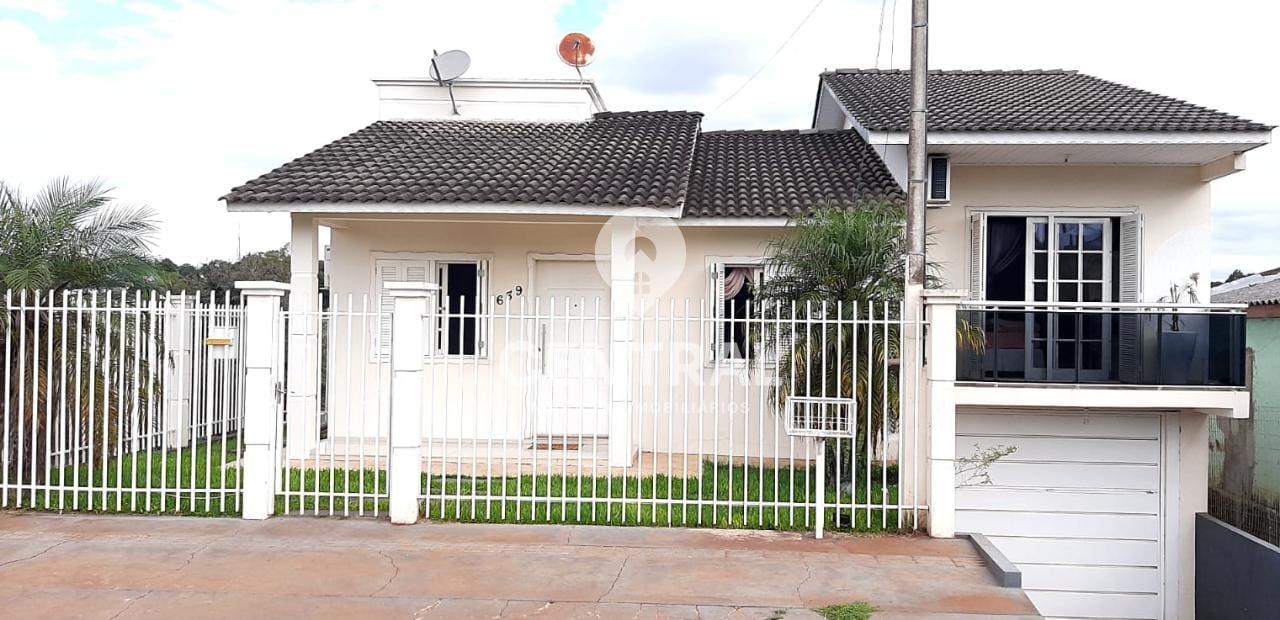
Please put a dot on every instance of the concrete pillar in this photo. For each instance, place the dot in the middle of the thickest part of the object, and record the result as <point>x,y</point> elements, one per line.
<point>913,414</point>
<point>302,408</point>
<point>622,293</point>
<point>408,331</point>
<point>179,329</point>
<point>261,334</point>
<point>940,372</point>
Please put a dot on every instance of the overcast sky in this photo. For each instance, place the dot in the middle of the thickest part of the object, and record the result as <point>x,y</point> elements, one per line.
<point>175,102</point>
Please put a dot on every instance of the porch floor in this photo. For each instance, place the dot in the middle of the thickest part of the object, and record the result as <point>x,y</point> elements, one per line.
<point>55,566</point>
<point>520,458</point>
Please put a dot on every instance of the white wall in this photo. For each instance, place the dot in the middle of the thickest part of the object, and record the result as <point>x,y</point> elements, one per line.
<point>488,99</point>
<point>487,397</point>
<point>1172,199</point>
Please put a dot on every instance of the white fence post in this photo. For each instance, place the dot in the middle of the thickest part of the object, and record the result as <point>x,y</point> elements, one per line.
<point>261,334</point>
<point>179,330</point>
<point>622,307</point>
<point>940,370</point>
<point>410,315</point>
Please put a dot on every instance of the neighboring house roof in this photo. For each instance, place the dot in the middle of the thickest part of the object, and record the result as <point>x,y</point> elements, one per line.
<point>783,173</point>
<point>1258,290</point>
<point>624,159</point>
<point>1032,100</point>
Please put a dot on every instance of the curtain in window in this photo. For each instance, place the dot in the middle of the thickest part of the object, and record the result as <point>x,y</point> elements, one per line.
<point>1006,243</point>
<point>734,280</point>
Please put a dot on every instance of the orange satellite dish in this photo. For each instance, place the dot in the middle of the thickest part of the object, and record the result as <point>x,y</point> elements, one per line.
<point>577,50</point>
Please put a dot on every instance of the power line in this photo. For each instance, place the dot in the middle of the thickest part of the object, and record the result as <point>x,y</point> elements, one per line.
<point>880,31</point>
<point>893,38</point>
<point>775,55</point>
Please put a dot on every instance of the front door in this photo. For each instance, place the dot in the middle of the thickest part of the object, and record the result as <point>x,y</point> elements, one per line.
<point>1069,261</point>
<point>572,349</point>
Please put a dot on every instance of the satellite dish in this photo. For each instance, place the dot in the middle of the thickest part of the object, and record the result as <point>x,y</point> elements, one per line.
<point>450,65</point>
<point>577,50</point>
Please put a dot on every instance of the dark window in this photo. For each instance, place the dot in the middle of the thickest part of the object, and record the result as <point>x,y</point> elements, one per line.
<point>460,280</point>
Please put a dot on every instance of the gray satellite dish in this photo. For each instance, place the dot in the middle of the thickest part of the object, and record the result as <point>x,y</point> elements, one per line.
<point>450,65</point>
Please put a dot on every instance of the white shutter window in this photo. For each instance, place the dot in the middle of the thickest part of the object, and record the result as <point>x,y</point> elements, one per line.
<point>1130,285</point>
<point>939,178</point>
<point>977,255</point>
<point>773,313</point>
<point>389,270</point>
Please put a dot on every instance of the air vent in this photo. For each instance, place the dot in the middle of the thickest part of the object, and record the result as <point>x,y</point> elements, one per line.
<point>939,179</point>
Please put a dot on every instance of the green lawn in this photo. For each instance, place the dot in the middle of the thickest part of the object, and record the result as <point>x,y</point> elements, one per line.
<point>587,500</point>
<point>706,501</point>
<point>128,484</point>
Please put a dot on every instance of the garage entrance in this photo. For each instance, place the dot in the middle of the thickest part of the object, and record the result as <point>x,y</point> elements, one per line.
<point>1078,505</point>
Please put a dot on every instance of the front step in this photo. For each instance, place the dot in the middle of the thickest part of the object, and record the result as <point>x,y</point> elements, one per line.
<point>563,442</point>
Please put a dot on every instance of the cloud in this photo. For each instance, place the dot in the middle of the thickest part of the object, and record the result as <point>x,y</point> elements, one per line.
<point>190,100</point>
<point>177,103</point>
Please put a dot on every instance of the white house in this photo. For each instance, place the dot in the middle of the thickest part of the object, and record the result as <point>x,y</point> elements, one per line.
<point>595,270</point>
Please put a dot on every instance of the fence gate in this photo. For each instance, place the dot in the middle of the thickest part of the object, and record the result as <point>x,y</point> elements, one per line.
<point>332,425</point>
<point>120,401</point>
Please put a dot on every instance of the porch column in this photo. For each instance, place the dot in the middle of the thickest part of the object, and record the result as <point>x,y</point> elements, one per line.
<point>262,331</point>
<point>622,292</point>
<point>408,332</point>
<point>940,371</point>
<point>302,409</point>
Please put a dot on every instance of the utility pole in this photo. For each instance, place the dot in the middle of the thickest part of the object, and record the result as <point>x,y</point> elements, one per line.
<point>913,406</point>
<point>917,152</point>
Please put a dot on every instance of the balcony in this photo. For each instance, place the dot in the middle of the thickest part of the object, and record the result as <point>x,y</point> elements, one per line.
<point>1155,345</point>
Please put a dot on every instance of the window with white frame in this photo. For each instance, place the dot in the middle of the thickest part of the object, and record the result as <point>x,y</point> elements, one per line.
<point>735,303</point>
<point>459,325</point>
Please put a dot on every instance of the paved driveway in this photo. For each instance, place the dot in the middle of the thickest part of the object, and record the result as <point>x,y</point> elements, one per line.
<point>163,567</point>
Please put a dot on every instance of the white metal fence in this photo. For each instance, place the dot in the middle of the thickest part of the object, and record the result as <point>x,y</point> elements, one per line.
<point>552,410</point>
<point>120,401</point>
<point>334,445</point>
<point>532,410</point>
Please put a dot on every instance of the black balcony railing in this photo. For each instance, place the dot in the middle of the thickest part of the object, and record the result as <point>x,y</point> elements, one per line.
<point>1158,345</point>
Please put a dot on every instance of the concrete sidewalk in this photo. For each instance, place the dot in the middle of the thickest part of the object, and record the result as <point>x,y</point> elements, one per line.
<point>141,567</point>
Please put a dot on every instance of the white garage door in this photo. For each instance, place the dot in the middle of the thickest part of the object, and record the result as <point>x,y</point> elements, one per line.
<point>1078,507</point>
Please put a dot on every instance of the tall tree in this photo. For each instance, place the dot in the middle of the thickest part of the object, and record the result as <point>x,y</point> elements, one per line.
<point>69,236</point>
<point>73,235</point>
<point>855,256</point>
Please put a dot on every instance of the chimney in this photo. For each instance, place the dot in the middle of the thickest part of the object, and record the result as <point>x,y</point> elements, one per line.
<point>476,98</point>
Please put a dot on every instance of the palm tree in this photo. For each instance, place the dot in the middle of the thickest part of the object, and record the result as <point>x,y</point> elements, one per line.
<point>68,236</point>
<point>840,263</point>
<point>845,262</point>
<point>71,235</point>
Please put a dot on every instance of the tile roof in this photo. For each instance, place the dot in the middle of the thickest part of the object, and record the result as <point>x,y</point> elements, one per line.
<point>1264,292</point>
<point>1039,100</point>
<point>625,159</point>
<point>783,173</point>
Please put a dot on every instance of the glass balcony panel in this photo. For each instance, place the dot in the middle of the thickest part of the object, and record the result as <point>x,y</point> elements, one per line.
<point>1101,345</point>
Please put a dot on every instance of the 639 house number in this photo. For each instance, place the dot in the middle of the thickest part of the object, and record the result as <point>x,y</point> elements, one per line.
<point>503,298</point>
